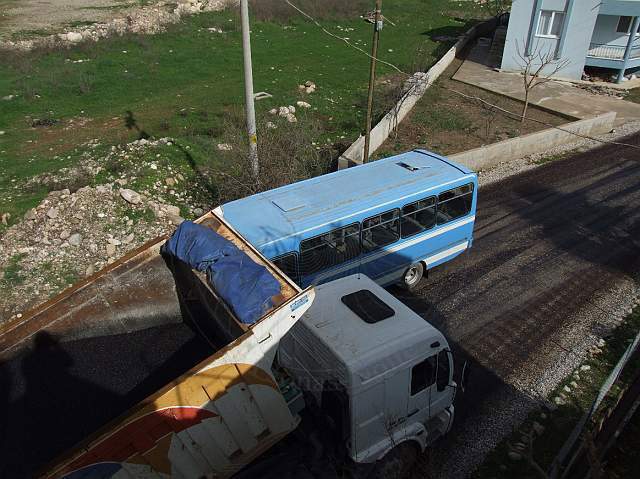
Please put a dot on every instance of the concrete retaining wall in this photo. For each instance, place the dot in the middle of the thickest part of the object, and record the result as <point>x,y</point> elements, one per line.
<point>491,155</point>
<point>415,89</point>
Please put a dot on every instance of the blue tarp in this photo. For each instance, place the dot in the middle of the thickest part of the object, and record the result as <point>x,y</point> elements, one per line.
<point>245,286</point>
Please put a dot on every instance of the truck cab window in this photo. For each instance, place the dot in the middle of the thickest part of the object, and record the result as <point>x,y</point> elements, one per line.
<point>423,375</point>
<point>443,370</point>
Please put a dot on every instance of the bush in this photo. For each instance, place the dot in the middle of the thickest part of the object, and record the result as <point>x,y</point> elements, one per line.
<point>286,154</point>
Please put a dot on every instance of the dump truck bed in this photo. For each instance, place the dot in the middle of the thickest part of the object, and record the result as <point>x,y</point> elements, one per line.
<point>127,367</point>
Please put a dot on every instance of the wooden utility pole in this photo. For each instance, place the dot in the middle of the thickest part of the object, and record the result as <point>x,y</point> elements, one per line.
<point>248,88</point>
<point>377,26</point>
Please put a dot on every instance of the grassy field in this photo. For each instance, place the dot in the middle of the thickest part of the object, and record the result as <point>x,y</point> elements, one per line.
<point>184,83</point>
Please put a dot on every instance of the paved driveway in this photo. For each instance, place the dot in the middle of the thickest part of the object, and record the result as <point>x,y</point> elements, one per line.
<point>556,96</point>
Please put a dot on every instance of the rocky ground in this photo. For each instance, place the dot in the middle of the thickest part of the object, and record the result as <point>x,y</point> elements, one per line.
<point>29,24</point>
<point>117,202</point>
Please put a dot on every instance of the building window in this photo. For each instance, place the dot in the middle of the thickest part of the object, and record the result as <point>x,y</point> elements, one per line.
<point>624,25</point>
<point>550,24</point>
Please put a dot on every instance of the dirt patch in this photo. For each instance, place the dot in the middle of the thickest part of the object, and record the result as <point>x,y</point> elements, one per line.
<point>448,123</point>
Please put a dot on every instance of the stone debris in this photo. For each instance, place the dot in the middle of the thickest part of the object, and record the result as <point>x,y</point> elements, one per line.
<point>225,147</point>
<point>52,213</point>
<point>130,196</point>
<point>303,104</point>
<point>149,19</point>
<point>271,125</point>
<point>585,367</point>
<point>73,235</point>
<point>291,118</point>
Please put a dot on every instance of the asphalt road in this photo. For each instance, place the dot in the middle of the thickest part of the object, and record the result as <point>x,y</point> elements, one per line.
<point>550,245</point>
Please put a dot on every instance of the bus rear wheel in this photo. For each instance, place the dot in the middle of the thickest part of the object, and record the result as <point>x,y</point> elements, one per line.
<point>412,276</point>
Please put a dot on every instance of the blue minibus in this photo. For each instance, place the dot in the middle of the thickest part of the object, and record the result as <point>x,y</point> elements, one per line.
<point>391,219</point>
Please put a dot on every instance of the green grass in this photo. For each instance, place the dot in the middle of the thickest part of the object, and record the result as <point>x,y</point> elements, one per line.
<point>560,423</point>
<point>182,83</point>
<point>552,158</point>
<point>12,272</point>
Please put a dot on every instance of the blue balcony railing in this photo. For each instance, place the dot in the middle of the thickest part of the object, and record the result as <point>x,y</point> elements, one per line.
<point>611,52</point>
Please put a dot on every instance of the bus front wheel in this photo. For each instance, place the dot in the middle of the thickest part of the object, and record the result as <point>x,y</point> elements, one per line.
<point>412,276</point>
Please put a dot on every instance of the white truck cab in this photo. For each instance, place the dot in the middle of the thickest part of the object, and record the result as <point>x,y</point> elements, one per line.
<point>382,373</point>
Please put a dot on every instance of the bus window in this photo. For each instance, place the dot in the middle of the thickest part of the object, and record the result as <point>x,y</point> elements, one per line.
<point>329,249</point>
<point>418,216</point>
<point>288,264</point>
<point>454,203</point>
<point>380,230</point>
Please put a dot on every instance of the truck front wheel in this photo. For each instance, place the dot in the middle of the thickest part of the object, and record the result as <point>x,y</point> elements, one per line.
<point>397,463</point>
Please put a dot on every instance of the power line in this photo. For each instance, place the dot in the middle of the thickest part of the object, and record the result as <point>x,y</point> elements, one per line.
<point>464,95</point>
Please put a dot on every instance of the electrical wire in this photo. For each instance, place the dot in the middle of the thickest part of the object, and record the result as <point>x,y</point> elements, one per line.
<point>464,95</point>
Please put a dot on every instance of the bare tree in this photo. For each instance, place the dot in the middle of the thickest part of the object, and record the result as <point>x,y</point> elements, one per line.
<point>539,65</point>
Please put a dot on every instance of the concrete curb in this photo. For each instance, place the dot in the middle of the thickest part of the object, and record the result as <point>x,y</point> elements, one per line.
<point>416,86</point>
<point>538,142</point>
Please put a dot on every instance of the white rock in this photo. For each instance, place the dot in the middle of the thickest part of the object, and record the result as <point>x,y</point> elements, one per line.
<point>74,37</point>
<point>31,214</point>
<point>52,213</point>
<point>130,196</point>
<point>75,239</point>
<point>273,111</point>
<point>114,242</point>
<point>573,384</point>
<point>585,367</point>
<point>271,125</point>
<point>2,132</point>
<point>198,211</point>
<point>171,210</point>
<point>128,239</point>
<point>153,166</point>
<point>309,83</point>
<point>90,270</point>
<point>303,104</point>
<point>310,89</point>
<point>291,118</point>
<point>175,219</point>
<point>65,234</point>
<point>283,111</point>
<point>567,389</point>
<point>292,109</point>
<point>93,248</point>
<point>110,249</point>
<point>225,147</point>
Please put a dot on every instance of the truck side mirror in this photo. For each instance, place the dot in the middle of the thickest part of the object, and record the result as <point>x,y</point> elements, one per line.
<point>464,375</point>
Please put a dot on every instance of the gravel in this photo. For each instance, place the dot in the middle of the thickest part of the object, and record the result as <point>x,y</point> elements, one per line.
<point>508,168</point>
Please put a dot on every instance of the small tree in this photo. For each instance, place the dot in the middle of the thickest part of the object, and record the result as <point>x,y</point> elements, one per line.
<point>539,65</point>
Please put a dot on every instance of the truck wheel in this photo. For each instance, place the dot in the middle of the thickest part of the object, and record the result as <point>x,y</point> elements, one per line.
<point>397,463</point>
<point>412,276</point>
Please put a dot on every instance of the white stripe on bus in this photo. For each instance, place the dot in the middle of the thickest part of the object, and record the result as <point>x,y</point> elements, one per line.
<point>431,259</point>
<point>384,252</point>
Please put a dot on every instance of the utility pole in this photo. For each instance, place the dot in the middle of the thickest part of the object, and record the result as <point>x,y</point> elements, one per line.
<point>248,88</point>
<point>377,26</point>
